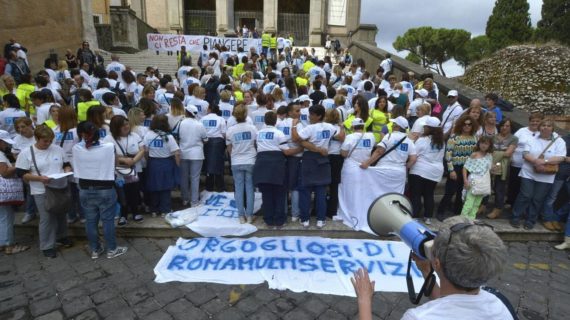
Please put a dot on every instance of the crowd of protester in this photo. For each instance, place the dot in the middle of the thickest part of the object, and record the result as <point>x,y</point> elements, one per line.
<point>285,121</point>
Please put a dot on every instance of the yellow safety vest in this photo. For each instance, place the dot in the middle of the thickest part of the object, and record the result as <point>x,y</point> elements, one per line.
<point>301,81</point>
<point>23,93</point>
<point>265,40</point>
<point>238,71</point>
<point>291,39</point>
<point>82,108</point>
<point>273,42</point>
<point>348,124</point>
<point>379,119</point>
<point>308,65</point>
<point>50,123</point>
<point>238,95</point>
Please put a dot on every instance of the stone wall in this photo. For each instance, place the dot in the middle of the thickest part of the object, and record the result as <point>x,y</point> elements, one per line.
<point>44,27</point>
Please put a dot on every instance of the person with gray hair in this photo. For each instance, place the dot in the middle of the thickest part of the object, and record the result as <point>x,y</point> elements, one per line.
<point>465,256</point>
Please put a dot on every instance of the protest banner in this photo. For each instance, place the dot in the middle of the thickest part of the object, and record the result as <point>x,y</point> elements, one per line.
<point>173,42</point>
<point>312,264</point>
<point>218,215</point>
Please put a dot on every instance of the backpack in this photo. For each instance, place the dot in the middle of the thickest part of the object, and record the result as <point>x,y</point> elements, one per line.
<point>122,97</point>
<point>19,68</point>
<point>336,45</point>
<point>505,105</point>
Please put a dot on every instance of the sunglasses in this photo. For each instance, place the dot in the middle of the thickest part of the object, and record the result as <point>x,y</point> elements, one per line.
<point>467,124</point>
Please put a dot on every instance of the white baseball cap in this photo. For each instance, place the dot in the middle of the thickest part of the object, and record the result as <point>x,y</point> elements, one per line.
<point>452,93</point>
<point>304,98</point>
<point>432,122</point>
<point>5,136</point>
<point>423,93</point>
<point>401,122</point>
<point>357,122</point>
<point>192,109</point>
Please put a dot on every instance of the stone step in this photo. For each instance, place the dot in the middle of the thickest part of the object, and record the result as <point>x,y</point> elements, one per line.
<point>158,228</point>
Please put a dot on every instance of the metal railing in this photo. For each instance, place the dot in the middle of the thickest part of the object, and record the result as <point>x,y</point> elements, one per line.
<point>200,22</point>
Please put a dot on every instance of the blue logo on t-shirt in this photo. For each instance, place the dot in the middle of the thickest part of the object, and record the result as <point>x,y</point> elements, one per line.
<point>226,113</point>
<point>286,130</point>
<point>209,123</point>
<point>102,133</point>
<point>146,122</point>
<point>157,143</point>
<point>242,136</point>
<point>266,135</point>
<point>259,119</point>
<point>404,147</point>
<point>365,143</point>
<point>304,117</point>
<point>10,121</point>
<point>325,134</point>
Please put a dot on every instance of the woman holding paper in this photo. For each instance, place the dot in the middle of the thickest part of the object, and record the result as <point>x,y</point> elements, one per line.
<point>34,165</point>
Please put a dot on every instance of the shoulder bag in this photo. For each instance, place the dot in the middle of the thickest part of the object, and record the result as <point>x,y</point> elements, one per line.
<point>57,201</point>
<point>11,191</point>
<point>389,150</point>
<point>129,174</point>
<point>481,185</point>
<point>547,168</point>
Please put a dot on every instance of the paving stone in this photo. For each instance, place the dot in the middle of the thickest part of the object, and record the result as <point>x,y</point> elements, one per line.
<point>158,315</point>
<point>145,307</point>
<point>347,306</point>
<point>214,306</point>
<point>95,274</point>
<point>18,314</point>
<point>263,314</point>
<point>87,315</point>
<point>264,294</point>
<point>108,308</point>
<point>77,306</point>
<point>249,304</point>
<point>73,294</point>
<point>97,285</point>
<point>124,314</point>
<point>137,295</point>
<point>183,309</point>
<point>332,315</point>
<point>104,295</point>
<point>168,295</point>
<point>13,303</point>
<point>42,293</point>
<point>230,314</point>
<point>200,296</point>
<point>38,308</point>
<point>54,315</point>
<point>298,314</point>
<point>280,306</point>
<point>10,289</point>
<point>314,306</point>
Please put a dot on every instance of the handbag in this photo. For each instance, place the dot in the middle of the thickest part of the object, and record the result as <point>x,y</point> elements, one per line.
<point>547,168</point>
<point>57,200</point>
<point>11,191</point>
<point>129,174</point>
<point>481,185</point>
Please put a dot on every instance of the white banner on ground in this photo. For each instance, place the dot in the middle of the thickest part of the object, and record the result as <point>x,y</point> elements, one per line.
<point>219,216</point>
<point>173,42</point>
<point>312,264</point>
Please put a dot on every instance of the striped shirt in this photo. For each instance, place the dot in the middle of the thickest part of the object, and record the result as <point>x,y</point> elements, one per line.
<point>458,150</point>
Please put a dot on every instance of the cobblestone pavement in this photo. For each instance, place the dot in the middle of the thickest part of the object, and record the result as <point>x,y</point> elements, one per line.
<point>72,286</point>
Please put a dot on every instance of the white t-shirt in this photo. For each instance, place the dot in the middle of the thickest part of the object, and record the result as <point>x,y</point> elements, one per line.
<point>482,306</point>
<point>21,143</point>
<point>315,71</point>
<point>8,119</point>
<point>158,147</point>
<point>187,82</point>
<point>117,67</point>
<point>71,138</point>
<point>214,63</point>
<point>430,160</point>
<point>98,94</point>
<point>454,111</point>
<point>232,121</point>
<point>182,74</point>
<point>523,134</point>
<point>4,159</point>
<point>42,112</point>
<point>258,117</point>
<point>215,125</point>
<point>127,146</point>
<point>192,136</point>
<point>95,163</point>
<point>398,157</point>
<point>304,117</point>
<point>386,64</point>
<point>319,134</point>
<point>242,139</point>
<point>201,105</point>
<point>285,127</point>
<point>534,147</point>
<point>361,143</point>
<point>414,105</point>
<point>271,139</point>
<point>49,161</point>
<point>174,120</point>
<point>419,124</point>
<point>227,109</point>
<point>335,145</point>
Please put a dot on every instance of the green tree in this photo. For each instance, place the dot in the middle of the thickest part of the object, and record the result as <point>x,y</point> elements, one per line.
<point>555,23</point>
<point>509,23</point>
<point>413,58</point>
<point>474,50</point>
<point>432,47</point>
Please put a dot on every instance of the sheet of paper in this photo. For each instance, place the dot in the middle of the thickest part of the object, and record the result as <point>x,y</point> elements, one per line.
<point>56,176</point>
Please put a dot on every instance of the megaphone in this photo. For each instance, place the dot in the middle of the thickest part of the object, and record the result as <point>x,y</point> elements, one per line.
<point>391,214</point>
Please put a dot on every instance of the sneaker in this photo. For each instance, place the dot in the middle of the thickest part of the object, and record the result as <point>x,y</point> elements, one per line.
<point>153,214</point>
<point>515,224</point>
<point>117,252</point>
<point>305,224</point>
<point>72,220</point>
<point>249,219</point>
<point>138,218</point>
<point>122,221</point>
<point>185,203</point>
<point>242,219</point>
<point>28,217</point>
<point>50,253</point>
<point>321,224</point>
<point>162,215</point>
<point>97,253</point>
<point>428,221</point>
<point>294,219</point>
<point>82,220</point>
<point>64,242</point>
<point>528,226</point>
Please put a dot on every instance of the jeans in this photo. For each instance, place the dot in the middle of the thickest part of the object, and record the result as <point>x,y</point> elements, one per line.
<point>190,169</point>
<point>243,183</point>
<point>320,202</point>
<point>161,201</point>
<point>549,214</point>
<point>130,200</point>
<point>273,196</point>
<point>514,185</point>
<point>531,196</point>
<point>30,203</point>
<point>75,211</point>
<point>52,226</point>
<point>6,225</point>
<point>294,203</point>
<point>422,188</point>
<point>452,187</point>
<point>99,204</point>
<point>500,191</point>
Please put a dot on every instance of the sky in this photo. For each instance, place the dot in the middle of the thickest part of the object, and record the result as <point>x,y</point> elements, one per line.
<point>395,17</point>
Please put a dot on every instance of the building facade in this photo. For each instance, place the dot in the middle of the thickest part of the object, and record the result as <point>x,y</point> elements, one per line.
<point>308,21</point>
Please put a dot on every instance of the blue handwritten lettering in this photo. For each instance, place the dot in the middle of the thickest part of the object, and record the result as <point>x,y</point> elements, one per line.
<point>207,212</point>
<point>176,262</point>
<point>372,249</point>
<point>268,245</point>
<point>189,244</point>
<point>226,247</point>
<point>398,268</point>
<point>347,266</point>
<point>214,263</point>
<point>284,245</point>
<point>307,264</point>
<point>210,245</point>
<point>216,200</point>
<point>248,246</point>
<point>229,264</point>
<point>327,265</point>
<point>244,263</point>
<point>390,250</point>
<point>228,213</point>
<point>333,250</point>
<point>316,248</point>
<point>194,264</point>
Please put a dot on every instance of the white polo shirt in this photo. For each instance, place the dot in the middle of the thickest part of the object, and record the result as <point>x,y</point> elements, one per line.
<point>271,139</point>
<point>192,135</point>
